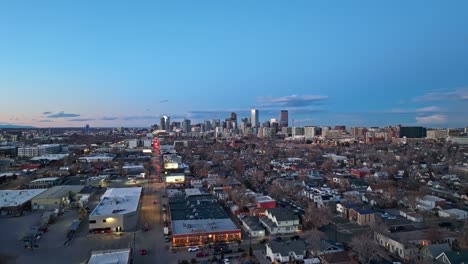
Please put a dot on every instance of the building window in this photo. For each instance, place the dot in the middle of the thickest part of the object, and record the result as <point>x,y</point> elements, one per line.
<point>103,220</point>
<point>92,221</point>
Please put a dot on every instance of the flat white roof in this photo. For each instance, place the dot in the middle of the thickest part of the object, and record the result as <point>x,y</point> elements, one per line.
<point>18,197</point>
<point>193,226</point>
<point>115,256</point>
<point>45,179</point>
<point>118,201</point>
<point>50,157</point>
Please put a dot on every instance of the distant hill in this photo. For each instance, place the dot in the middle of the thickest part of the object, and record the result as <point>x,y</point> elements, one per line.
<point>14,126</point>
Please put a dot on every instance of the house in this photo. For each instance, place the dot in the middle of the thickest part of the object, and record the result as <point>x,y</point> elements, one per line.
<point>358,184</point>
<point>360,173</point>
<point>453,257</point>
<point>341,257</point>
<point>362,216</point>
<point>323,246</point>
<point>406,244</point>
<point>429,202</point>
<point>280,221</point>
<point>285,251</point>
<point>454,213</point>
<point>252,226</point>
<point>412,216</point>
<point>434,250</point>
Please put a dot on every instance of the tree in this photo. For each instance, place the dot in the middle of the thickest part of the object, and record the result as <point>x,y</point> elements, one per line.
<point>365,246</point>
<point>315,217</point>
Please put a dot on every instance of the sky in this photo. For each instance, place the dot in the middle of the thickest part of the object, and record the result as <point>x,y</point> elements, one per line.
<point>125,63</point>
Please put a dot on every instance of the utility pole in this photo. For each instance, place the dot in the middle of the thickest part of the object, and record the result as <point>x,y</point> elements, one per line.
<point>250,246</point>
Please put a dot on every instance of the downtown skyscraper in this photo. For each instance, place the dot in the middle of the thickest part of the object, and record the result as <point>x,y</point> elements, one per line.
<point>284,117</point>
<point>254,120</point>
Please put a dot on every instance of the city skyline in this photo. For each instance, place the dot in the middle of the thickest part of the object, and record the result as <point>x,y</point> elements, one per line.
<point>373,64</point>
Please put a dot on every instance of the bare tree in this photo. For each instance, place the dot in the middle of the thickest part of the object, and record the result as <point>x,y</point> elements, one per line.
<point>315,217</point>
<point>365,246</point>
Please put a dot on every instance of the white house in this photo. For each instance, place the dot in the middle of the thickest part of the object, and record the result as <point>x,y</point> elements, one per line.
<point>280,221</point>
<point>455,213</point>
<point>285,251</point>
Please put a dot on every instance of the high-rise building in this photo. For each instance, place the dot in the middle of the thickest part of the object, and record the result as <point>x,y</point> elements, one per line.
<point>284,116</point>
<point>165,123</point>
<point>233,117</point>
<point>254,118</point>
<point>186,126</point>
<point>87,129</point>
<point>413,132</point>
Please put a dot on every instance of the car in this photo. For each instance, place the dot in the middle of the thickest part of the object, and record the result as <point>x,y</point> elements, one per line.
<point>193,249</point>
<point>164,205</point>
<point>143,252</point>
<point>384,215</point>
<point>202,254</point>
<point>167,239</point>
<point>155,202</point>
<point>391,217</point>
<point>226,261</point>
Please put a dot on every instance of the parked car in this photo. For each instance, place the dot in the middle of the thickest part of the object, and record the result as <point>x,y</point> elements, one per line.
<point>202,254</point>
<point>155,202</point>
<point>143,252</point>
<point>193,249</point>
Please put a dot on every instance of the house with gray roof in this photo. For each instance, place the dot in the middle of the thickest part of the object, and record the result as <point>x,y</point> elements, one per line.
<point>434,250</point>
<point>252,226</point>
<point>280,221</point>
<point>285,251</point>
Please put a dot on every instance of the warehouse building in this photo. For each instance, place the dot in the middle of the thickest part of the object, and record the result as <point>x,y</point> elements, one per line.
<point>44,183</point>
<point>200,220</point>
<point>14,202</point>
<point>117,211</point>
<point>112,256</point>
<point>57,197</point>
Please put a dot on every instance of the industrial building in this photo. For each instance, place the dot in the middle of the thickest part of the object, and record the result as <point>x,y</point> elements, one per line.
<point>39,150</point>
<point>117,211</point>
<point>14,202</point>
<point>44,183</point>
<point>200,220</point>
<point>57,197</point>
<point>106,157</point>
<point>112,256</point>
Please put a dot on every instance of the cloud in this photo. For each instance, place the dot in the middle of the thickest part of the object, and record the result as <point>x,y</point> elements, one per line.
<point>427,109</point>
<point>62,115</point>
<point>46,113</point>
<point>45,121</point>
<point>109,118</point>
<point>144,117</point>
<point>292,100</point>
<point>460,94</point>
<point>80,119</point>
<point>432,119</point>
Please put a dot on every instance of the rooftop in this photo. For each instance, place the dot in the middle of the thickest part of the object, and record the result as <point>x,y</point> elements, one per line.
<point>203,206</point>
<point>17,197</point>
<point>45,179</point>
<point>118,201</point>
<point>283,214</point>
<point>114,256</point>
<point>59,191</point>
<point>180,227</point>
<point>297,246</point>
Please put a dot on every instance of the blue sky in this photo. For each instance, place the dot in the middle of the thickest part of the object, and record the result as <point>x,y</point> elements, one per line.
<point>110,63</point>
